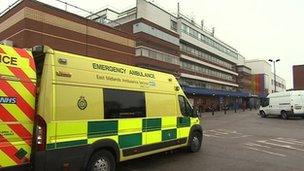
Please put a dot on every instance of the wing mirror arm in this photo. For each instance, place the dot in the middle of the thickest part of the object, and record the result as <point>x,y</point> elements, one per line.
<point>196,113</point>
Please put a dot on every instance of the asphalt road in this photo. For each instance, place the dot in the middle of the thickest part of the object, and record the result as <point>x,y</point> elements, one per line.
<point>236,141</point>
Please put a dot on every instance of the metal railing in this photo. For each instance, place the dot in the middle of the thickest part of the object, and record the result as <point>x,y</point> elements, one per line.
<point>76,7</point>
<point>63,2</point>
<point>10,7</point>
<point>204,29</point>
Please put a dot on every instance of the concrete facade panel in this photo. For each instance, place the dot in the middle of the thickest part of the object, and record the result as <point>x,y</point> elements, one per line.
<point>153,13</point>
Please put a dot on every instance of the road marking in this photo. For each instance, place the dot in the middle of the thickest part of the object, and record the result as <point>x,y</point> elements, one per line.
<point>292,140</point>
<point>288,142</point>
<point>208,135</point>
<point>258,145</point>
<point>243,136</point>
<point>225,133</point>
<point>267,152</point>
<point>282,146</point>
<point>229,131</point>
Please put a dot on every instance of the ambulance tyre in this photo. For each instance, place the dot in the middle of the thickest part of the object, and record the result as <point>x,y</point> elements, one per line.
<point>102,160</point>
<point>195,142</point>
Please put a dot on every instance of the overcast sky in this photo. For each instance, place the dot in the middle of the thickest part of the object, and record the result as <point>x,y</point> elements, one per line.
<point>258,29</point>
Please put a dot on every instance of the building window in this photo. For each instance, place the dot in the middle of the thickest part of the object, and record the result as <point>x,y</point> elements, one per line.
<point>205,56</point>
<point>142,27</point>
<point>174,25</point>
<point>123,104</point>
<point>138,52</point>
<point>158,55</point>
<point>202,84</point>
<point>206,71</point>
<point>152,54</point>
<point>187,30</point>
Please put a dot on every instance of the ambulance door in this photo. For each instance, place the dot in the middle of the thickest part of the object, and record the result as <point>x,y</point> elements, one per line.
<point>17,105</point>
<point>184,120</point>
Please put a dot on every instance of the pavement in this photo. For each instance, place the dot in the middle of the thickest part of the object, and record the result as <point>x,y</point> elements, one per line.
<point>235,141</point>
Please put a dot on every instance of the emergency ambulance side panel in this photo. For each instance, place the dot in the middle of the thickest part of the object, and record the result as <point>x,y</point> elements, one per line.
<point>17,106</point>
<point>136,111</point>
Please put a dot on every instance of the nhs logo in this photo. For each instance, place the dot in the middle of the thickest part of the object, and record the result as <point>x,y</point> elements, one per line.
<point>8,100</point>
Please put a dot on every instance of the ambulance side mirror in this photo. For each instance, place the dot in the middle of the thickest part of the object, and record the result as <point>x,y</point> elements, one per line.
<point>196,113</point>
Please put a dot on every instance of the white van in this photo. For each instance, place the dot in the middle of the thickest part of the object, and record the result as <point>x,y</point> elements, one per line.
<point>284,104</point>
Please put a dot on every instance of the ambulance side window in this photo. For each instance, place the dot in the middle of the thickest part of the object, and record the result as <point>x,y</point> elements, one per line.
<point>185,108</point>
<point>124,104</point>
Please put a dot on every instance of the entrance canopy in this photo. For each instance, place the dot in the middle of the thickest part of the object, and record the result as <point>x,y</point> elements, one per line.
<point>209,92</point>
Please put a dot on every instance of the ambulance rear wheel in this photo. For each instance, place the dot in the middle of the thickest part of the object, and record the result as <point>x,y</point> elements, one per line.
<point>195,142</point>
<point>102,160</point>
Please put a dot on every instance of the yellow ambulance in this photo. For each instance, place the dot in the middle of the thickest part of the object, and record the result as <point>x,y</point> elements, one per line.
<point>61,111</point>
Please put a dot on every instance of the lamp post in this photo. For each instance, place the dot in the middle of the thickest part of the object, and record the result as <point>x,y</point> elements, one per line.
<point>274,68</point>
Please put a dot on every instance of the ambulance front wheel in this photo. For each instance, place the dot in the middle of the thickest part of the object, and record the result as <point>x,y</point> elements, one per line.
<point>195,142</point>
<point>102,160</point>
